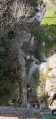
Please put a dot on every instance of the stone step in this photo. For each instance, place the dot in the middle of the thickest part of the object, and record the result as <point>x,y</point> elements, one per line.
<point>22,113</point>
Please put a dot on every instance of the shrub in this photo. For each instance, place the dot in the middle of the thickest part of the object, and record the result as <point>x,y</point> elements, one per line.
<point>5,43</point>
<point>4,64</point>
<point>2,51</point>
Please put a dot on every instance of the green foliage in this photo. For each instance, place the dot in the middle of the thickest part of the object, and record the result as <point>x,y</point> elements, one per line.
<point>39,34</point>
<point>0,42</point>
<point>4,64</point>
<point>42,36</point>
<point>2,51</point>
<point>9,2</point>
<point>5,43</point>
<point>47,31</point>
<point>33,2</point>
<point>7,86</point>
<point>7,13</point>
<point>1,30</point>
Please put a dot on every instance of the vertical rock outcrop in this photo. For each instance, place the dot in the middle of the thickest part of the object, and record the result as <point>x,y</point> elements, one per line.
<point>50,87</point>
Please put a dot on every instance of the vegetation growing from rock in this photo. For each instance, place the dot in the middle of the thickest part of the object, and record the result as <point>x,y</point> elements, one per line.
<point>47,30</point>
<point>22,53</point>
<point>46,34</point>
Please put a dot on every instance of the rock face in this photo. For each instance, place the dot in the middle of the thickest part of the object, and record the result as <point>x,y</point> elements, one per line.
<point>20,63</point>
<point>32,69</point>
<point>50,87</point>
<point>52,62</point>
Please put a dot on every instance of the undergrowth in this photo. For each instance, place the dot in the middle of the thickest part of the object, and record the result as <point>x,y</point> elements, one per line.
<point>47,30</point>
<point>6,83</point>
